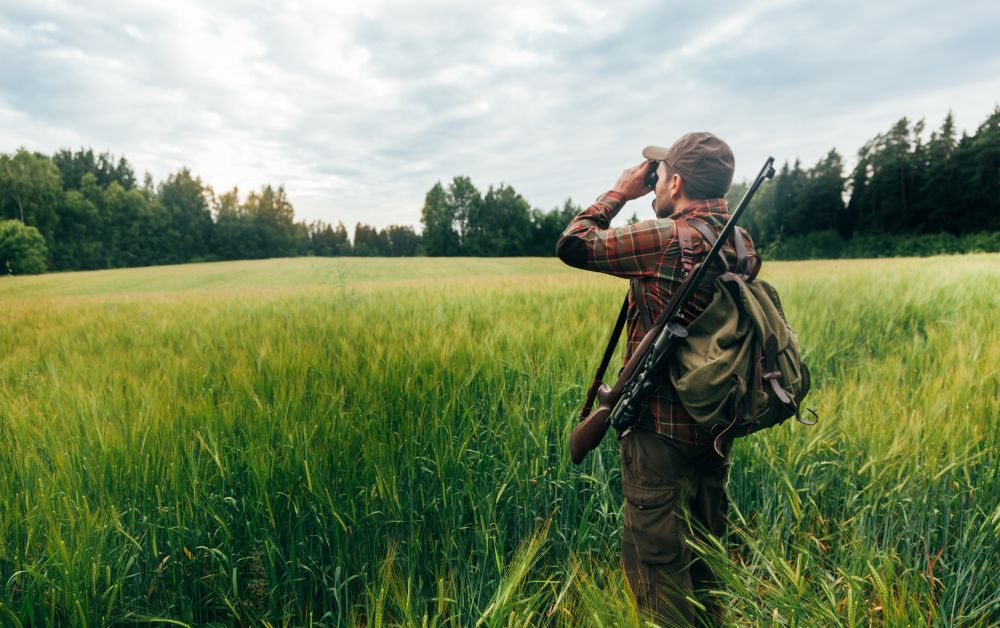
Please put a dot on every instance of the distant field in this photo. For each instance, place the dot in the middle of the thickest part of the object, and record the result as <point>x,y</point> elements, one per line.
<point>383,441</point>
<point>280,275</point>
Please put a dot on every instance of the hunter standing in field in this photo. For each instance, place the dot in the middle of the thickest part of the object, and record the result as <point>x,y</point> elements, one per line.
<point>673,480</point>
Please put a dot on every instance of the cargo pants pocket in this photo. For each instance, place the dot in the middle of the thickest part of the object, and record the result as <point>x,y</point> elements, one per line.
<point>651,522</point>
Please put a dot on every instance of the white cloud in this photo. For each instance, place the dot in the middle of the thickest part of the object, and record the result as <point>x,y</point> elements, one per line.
<point>133,31</point>
<point>357,107</point>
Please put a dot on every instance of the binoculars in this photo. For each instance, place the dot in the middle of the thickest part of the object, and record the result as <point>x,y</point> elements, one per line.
<point>651,176</point>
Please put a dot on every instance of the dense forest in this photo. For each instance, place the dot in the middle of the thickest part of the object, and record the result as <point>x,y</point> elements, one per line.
<point>92,213</point>
<point>908,194</point>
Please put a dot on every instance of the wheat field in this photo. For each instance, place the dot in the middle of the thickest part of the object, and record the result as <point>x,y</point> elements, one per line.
<point>342,441</point>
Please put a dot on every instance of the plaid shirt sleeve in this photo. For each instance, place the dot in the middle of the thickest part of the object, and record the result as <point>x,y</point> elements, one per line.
<point>630,251</point>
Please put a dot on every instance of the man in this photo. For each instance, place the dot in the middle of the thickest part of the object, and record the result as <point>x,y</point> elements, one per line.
<point>674,483</point>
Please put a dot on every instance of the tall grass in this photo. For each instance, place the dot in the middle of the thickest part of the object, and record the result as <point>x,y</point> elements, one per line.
<point>383,442</point>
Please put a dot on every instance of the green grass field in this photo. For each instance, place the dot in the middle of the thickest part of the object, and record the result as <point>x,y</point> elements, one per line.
<point>383,441</point>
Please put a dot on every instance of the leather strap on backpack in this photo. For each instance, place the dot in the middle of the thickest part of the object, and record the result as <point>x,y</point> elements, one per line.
<point>740,245</point>
<point>739,413</point>
<point>746,264</point>
<point>772,375</point>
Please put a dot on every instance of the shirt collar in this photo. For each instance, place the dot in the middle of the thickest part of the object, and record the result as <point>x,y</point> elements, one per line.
<point>707,207</point>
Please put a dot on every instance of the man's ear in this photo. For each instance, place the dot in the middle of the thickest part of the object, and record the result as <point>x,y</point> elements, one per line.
<point>676,188</point>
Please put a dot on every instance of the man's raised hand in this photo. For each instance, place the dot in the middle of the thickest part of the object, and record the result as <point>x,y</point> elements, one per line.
<point>632,183</point>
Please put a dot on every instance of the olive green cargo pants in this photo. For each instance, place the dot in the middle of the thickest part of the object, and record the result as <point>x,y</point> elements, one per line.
<point>670,490</point>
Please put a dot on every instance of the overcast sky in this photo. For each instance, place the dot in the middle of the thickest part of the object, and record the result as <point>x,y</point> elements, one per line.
<point>358,107</point>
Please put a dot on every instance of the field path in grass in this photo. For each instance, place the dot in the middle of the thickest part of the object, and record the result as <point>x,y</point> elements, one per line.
<point>383,441</point>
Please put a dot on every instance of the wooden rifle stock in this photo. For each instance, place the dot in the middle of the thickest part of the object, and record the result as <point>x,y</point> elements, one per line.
<point>590,431</point>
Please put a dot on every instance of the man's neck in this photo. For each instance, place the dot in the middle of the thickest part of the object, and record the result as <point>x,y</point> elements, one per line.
<point>684,205</point>
<point>691,205</point>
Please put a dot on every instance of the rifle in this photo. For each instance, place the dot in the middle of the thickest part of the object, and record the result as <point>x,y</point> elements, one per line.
<point>619,405</point>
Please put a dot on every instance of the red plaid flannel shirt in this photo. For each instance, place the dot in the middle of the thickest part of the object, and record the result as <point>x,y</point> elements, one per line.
<point>648,251</point>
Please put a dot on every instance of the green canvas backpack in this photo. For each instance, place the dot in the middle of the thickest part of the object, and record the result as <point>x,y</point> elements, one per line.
<point>741,369</point>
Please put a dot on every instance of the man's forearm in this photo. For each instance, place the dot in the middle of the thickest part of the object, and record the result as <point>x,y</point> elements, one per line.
<point>572,245</point>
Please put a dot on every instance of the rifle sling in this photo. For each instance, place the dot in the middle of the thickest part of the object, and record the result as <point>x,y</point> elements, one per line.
<point>608,352</point>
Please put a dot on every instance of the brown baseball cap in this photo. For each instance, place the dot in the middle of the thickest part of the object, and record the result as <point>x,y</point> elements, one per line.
<point>703,160</point>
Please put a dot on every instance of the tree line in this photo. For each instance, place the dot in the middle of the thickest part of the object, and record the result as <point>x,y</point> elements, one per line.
<point>459,220</point>
<point>908,195</point>
<point>78,210</point>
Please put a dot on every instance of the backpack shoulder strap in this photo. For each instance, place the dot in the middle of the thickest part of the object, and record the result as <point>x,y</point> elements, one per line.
<point>746,264</point>
<point>742,255</point>
<point>705,231</point>
<point>751,263</point>
<point>710,238</point>
<point>686,245</point>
